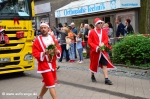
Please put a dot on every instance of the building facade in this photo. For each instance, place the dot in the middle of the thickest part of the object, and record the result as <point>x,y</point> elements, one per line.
<point>62,11</point>
<point>107,10</point>
<point>43,14</point>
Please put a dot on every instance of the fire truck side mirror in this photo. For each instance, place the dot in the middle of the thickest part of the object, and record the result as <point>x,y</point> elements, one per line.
<point>32,6</point>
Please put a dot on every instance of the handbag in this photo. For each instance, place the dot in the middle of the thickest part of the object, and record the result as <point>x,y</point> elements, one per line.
<point>68,42</point>
<point>83,44</point>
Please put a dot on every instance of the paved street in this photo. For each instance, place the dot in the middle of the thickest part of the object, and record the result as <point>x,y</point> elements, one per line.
<point>75,83</point>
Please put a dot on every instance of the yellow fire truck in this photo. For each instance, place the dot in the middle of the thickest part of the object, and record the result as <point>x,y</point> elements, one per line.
<point>16,24</point>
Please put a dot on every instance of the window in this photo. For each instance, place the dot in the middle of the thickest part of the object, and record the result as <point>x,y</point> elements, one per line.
<point>14,8</point>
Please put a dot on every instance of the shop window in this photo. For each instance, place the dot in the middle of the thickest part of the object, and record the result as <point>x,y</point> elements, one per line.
<point>107,19</point>
<point>85,21</point>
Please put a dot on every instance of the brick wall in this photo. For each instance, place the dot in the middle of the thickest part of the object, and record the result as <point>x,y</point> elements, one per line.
<point>55,4</point>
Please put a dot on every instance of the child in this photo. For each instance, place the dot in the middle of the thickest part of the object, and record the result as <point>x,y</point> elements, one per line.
<point>79,47</point>
<point>106,28</point>
<point>71,49</point>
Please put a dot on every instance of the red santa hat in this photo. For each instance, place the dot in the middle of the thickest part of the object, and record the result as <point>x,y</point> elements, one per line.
<point>97,20</point>
<point>1,29</point>
<point>44,23</point>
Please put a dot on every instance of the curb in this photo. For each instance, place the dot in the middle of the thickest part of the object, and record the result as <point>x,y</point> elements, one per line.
<point>134,67</point>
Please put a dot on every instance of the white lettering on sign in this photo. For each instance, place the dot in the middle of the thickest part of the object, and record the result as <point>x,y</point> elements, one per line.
<point>76,9</point>
<point>42,8</point>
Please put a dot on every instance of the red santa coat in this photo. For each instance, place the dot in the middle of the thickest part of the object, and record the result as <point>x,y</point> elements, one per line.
<point>43,62</point>
<point>97,36</point>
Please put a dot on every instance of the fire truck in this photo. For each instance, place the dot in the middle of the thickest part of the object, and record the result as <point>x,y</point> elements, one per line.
<point>16,35</point>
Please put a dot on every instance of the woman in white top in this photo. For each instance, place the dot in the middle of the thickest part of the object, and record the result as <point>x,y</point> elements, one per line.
<point>110,34</point>
<point>82,29</point>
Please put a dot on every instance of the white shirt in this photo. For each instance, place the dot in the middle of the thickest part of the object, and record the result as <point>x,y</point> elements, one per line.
<point>47,40</point>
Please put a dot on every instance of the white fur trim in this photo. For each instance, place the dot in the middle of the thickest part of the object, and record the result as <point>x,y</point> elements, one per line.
<point>99,21</point>
<point>92,71</point>
<point>57,55</point>
<point>44,24</point>
<point>108,61</point>
<point>41,56</point>
<point>50,86</point>
<point>49,64</point>
<point>1,30</point>
<point>96,49</point>
<point>44,71</point>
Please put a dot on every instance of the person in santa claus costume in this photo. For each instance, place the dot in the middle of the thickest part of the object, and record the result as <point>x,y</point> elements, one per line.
<point>99,58</point>
<point>46,67</point>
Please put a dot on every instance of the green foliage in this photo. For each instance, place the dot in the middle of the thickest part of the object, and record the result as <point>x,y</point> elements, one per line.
<point>132,50</point>
<point>104,48</point>
<point>51,47</point>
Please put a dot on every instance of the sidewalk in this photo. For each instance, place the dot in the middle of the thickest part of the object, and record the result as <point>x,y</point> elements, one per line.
<point>75,83</point>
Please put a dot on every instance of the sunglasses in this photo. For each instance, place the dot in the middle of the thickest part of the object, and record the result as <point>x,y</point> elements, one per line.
<point>100,23</point>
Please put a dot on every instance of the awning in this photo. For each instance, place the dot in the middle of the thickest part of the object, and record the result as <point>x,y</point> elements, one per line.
<point>90,6</point>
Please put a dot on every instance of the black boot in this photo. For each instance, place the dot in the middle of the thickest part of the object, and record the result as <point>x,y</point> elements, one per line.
<point>93,78</point>
<point>108,82</point>
<point>58,67</point>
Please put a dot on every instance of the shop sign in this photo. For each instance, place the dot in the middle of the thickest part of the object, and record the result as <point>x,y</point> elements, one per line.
<point>42,8</point>
<point>130,3</point>
<point>100,6</point>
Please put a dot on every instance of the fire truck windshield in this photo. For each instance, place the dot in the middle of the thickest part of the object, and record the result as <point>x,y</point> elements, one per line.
<point>14,8</point>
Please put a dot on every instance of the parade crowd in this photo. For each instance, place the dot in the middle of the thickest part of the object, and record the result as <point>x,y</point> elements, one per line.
<point>73,41</point>
<point>94,38</point>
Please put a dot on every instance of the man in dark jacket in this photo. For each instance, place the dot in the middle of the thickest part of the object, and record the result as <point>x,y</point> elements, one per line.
<point>86,39</point>
<point>120,30</point>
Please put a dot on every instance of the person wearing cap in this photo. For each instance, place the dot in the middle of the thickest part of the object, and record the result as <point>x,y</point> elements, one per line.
<point>45,67</point>
<point>99,58</point>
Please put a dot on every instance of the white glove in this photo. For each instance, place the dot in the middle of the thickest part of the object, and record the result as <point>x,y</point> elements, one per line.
<point>102,44</point>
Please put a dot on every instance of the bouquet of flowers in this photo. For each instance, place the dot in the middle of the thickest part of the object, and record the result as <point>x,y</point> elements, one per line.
<point>104,48</point>
<point>50,48</point>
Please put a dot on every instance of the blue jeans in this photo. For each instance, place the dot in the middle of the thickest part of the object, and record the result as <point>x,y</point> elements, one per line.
<point>80,51</point>
<point>63,47</point>
<point>75,50</point>
<point>64,54</point>
<point>71,52</point>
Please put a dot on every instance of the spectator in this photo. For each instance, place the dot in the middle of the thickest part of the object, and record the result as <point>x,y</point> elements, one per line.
<point>65,24</point>
<point>39,33</point>
<point>128,28</point>
<point>79,47</point>
<point>106,28</point>
<point>120,29</point>
<point>82,29</point>
<point>90,27</point>
<point>110,34</point>
<point>86,39</point>
<point>74,30</point>
<point>60,26</point>
<point>50,32</point>
<point>64,33</point>
<point>71,49</point>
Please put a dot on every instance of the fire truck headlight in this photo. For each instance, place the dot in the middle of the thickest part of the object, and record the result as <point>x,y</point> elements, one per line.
<point>28,57</point>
